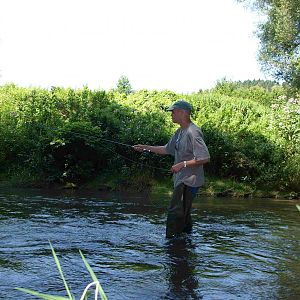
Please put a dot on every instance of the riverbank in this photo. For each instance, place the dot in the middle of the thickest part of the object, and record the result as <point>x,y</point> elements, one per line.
<point>213,187</point>
<point>220,188</point>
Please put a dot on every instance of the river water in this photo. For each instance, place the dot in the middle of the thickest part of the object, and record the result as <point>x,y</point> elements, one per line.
<point>239,249</point>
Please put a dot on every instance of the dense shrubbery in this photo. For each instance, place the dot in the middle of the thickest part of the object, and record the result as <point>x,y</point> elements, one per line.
<point>61,135</point>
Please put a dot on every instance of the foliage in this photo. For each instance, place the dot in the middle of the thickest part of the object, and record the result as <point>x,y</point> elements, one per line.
<point>280,38</point>
<point>124,86</point>
<point>239,146</point>
<point>285,120</point>
<point>267,84</point>
<point>74,153</point>
<point>73,136</point>
<point>264,92</point>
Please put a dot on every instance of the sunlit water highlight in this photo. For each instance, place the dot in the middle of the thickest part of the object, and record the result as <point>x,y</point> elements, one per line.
<point>239,249</point>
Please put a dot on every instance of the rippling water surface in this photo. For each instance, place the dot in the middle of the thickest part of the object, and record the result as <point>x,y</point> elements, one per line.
<point>239,249</point>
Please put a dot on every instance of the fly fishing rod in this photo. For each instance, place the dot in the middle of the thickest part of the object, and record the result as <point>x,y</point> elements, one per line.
<point>106,140</point>
<point>125,145</point>
<point>82,135</point>
<point>122,144</point>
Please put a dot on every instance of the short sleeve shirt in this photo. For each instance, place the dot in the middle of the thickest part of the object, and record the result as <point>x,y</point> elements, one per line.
<point>188,144</point>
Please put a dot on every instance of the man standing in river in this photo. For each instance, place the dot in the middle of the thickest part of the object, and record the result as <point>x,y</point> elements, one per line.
<point>190,153</point>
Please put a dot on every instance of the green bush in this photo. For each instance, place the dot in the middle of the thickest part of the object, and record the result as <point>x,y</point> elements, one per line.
<point>252,132</point>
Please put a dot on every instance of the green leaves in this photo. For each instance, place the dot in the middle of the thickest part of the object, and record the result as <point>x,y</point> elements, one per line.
<point>252,132</point>
<point>124,86</point>
<point>42,296</point>
<point>61,272</point>
<point>280,37</point>
<point>96,283</point>
<point>103,296</point>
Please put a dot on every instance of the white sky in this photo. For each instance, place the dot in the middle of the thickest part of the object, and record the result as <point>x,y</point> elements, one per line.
<point>177,45</point>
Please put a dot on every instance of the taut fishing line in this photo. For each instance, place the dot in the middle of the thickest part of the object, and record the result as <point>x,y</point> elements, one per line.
<point>117,143</point>
<point>137,162</point>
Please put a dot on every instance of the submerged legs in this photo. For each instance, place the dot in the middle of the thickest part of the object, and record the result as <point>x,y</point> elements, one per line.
<point>179,218</point>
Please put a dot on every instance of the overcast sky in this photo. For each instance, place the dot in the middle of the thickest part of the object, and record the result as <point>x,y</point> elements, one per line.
<point>181,46</point>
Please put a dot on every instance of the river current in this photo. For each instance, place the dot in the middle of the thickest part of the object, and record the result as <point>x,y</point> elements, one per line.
<point>239,248</point>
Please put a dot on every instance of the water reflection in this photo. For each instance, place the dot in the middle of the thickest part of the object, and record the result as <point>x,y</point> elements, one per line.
<point>181,275</point>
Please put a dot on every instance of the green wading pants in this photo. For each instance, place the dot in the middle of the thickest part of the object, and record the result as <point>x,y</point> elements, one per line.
<point>179,218</point>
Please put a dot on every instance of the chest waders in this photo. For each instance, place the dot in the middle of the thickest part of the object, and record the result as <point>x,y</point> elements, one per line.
<point>179,217</point>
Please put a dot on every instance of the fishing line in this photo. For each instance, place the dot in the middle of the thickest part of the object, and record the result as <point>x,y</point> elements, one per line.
<point>117,143</point>
<point>114,142</point>
<point>137,162</point>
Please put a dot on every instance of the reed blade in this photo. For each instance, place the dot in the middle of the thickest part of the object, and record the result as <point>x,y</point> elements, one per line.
<point>93,275</point>
<point>41,295</point>
<point>61,272</point>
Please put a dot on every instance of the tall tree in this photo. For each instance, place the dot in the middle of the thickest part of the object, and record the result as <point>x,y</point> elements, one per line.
<point>124,86</point>
<point>279,35</point>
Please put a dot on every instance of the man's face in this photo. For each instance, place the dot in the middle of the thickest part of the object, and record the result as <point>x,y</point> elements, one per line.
<point>177,115</point>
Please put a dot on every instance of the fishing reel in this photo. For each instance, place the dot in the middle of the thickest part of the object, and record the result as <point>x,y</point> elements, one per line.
<point>146,152</point>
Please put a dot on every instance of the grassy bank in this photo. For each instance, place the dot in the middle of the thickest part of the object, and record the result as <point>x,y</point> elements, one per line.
<point>214,187</point>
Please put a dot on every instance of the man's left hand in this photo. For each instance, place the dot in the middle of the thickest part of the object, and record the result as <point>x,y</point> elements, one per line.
<point>176,168</point>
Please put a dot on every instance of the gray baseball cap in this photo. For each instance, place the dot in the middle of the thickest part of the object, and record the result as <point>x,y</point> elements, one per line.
<point>181,104</point>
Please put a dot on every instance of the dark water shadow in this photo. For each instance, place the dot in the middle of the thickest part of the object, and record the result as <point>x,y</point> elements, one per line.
<point>181,269</point>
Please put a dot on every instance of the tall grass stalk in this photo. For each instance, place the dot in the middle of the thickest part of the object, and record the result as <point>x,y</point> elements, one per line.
<point>95,283</point>
<point>61,272</point>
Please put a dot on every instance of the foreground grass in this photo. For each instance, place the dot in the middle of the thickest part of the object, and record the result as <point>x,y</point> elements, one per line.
<point>96,283</point>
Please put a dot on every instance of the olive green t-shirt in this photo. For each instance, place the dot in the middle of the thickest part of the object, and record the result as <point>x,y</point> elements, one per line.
<point>187,144</point>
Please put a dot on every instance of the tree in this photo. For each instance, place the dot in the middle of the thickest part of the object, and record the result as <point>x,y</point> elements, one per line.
<point>279,35</point>
<point>124,86</point>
